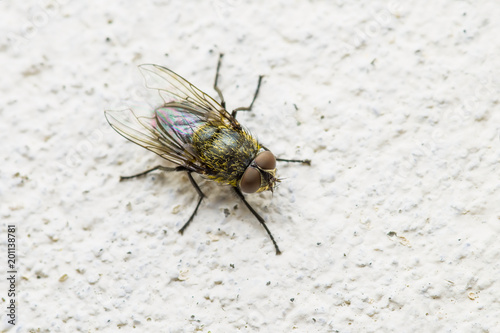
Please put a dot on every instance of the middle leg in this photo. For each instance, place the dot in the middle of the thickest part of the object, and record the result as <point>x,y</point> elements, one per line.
<point>201,196</point>
<point>249,108</point>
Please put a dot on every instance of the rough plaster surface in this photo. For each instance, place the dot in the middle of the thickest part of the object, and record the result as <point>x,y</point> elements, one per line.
<point>394,227</point>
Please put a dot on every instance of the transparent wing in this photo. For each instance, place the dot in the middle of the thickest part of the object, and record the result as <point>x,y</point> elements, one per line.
<point>153,134</point>
<point>174,88</point>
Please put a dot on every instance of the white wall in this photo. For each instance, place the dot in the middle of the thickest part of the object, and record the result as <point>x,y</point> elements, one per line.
<point>394,227</point>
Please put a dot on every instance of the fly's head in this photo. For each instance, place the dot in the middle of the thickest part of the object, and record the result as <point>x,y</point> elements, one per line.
<point>260,175</point>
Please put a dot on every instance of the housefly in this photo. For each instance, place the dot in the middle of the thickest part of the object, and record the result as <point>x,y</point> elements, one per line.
<point>197,134</point>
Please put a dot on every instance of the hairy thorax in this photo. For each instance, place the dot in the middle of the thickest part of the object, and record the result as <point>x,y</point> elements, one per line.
<point>226,152</point>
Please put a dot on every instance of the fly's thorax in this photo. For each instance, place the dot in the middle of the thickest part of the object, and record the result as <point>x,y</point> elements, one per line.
<point>225,151</point>
<point>260,175</point>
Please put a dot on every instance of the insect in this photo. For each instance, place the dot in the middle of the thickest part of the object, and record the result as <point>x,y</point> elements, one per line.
<point>197,134</point>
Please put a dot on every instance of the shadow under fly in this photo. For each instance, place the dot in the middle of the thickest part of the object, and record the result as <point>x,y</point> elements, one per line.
<point>197,134</point>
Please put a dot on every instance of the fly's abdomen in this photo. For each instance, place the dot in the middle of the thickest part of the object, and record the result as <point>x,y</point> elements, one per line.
<point>225,151</point>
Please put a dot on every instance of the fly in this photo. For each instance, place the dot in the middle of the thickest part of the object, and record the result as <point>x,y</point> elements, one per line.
<point>197,134</point>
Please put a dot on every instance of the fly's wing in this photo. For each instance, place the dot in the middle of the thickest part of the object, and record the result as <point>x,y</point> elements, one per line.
<point>173,88</point>
<point>154,134</point>
<point>168,130</point>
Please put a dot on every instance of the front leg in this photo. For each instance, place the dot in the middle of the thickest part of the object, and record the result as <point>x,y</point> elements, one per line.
<point>261,220</point>
<point>307,162</point>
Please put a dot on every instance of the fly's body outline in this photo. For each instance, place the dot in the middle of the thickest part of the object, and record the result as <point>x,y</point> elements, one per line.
<point>197,134</point>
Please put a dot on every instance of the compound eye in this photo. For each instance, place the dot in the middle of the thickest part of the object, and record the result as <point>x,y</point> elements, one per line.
<point>250,182</point>
<point>266,160</point>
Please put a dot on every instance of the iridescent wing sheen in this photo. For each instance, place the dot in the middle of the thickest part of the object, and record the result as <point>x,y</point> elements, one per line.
<point>173,88</point>
<point>168,130</point>
<point>155,134</point>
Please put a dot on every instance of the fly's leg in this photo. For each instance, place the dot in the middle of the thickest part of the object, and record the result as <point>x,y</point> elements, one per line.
<point>219,92</point>
<point>308,162</point>
<point>261,220</point>
<point>158,167</point>
<point>249,108</point>
<point>200,193</point>
<point>179,168</point>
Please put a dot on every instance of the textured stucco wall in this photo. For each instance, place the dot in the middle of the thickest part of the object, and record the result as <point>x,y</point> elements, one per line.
<point>394,227</point>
